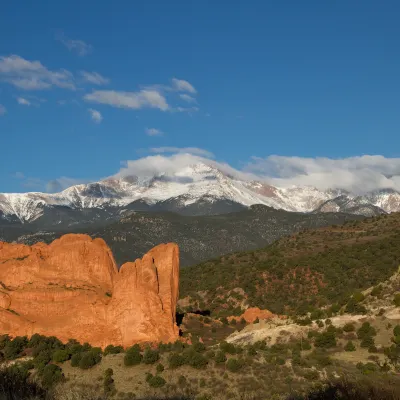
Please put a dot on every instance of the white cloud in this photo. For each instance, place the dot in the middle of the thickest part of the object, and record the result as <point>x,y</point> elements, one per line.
<point>32,75</point>
<point>135,100</point>
<point>94,78</point>
<point>78,46</point>
<point>95,115</point>
<point>355,174</point>
<point>187,98</point>
<point>189,150</point>
<point>154,132</point>
<point>186,109</point>
<point>181,85</point>
<point>24,102</point>
<point>2,110</point>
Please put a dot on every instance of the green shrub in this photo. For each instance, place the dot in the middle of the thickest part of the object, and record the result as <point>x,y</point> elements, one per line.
<point>160,368</point>
<point>50,375</point>
<point>75,359</point>
<point>199,347</point>
<point>376,291</point>
<point>132,356</point>
<point>227,347</point>
<point>325,339</point>
<point>60,356</point>
<point>234,365</point>
<point>349,327</point>
<point>175,360</point>
<point>366,330</point>
<point>367,341</point>
<point>89,359</point>
<point>14,348</point>
<point>156,381</point>
<point>350,346</point>
<point>396,330</point>
<point>311,375</point>
<point>42,359</point>
<point>194,359</point>
<point>396,300</point>
<point>150,356</point>
<point>220,357</point>
<point>110,349</point>
<point>108,382</point>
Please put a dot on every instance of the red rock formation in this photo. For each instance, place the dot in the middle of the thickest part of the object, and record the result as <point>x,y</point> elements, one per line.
<point>73,289</point>
<point>251,314</point>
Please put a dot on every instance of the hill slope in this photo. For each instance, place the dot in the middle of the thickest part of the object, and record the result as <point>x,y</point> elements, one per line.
<point>309,269</point>
<point>199,238</point>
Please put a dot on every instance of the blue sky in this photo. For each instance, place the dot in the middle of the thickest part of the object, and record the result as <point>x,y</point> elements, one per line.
<point>87,85</point>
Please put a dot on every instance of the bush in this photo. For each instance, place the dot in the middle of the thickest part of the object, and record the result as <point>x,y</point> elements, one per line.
<point>220,357</point>
<point>60,356</point>
<point>108,383</point>
<point>75,359</point>
<point>89,359</point>
<point>13,348</point>
<point>350,346</point>
<point>311,375</point>
<point>227,347</point>
<point>151,356</point>
<point>42,359</point>
<point>396,300</point>
<point>50,375</point>
<point>175,360</point>
<point>194,359</point>
<point>156,381</point>
<point>234,365</point>
<point>367,342</point>
<point>199,347</point>
<point>366,330</point>
<point>396,330</point>
<point>349,327</point>
<point>326,339</point>
<point>110,349</point>
<point>160,368</point>
<point>132,356</point>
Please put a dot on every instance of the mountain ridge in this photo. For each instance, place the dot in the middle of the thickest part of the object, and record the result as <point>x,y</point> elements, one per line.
<point>179,190</point>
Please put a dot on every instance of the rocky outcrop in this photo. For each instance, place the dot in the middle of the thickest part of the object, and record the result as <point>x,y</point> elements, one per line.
<point>73,289</point>
<point>252,314</point>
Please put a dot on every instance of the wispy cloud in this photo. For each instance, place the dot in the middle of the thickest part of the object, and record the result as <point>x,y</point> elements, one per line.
<point>187,98</point>
<point>78,46</point>
<point>189,150</point>
<point>181,85</point>
<point>134,100</point>
<point>154,132</point>
<point>32,75</point>
<point>2,110</point>
<point>95,115</point>
<point>59,184</point>
<point>23,102</point>
<point>94,78</point>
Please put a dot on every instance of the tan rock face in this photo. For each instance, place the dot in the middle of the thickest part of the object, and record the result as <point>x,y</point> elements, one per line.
<point>73,289</point>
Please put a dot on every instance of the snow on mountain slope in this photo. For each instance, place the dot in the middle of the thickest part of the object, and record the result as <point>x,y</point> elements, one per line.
<point>190,184</point>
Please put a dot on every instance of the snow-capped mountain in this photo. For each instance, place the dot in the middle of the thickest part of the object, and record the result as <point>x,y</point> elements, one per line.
<point>189,188</point>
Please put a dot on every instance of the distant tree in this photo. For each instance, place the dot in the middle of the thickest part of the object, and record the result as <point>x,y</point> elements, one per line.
<point>150,356</point>
<point>234,365</point>
<point>350,346</point>
<point>133,356</point>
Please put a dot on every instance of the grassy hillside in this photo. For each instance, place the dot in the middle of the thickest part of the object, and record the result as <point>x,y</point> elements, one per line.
<point>299,272</point>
